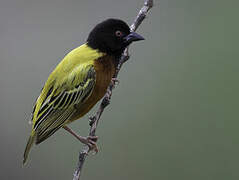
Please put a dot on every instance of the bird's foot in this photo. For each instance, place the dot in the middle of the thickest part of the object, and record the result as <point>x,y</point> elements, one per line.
<point>90,141</point>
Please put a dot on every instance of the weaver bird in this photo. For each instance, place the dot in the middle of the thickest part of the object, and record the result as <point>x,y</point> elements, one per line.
<point>79,81</point>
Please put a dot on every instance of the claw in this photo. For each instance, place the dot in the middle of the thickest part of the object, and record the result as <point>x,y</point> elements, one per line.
<point>91,142</point>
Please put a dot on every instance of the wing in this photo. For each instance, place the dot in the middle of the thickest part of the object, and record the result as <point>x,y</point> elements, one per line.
<point>56,104</point>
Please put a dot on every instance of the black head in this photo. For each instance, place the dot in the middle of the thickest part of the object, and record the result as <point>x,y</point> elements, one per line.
<point>112,36</point>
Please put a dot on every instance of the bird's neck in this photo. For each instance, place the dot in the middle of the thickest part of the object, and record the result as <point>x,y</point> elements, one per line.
<point>104,49</point>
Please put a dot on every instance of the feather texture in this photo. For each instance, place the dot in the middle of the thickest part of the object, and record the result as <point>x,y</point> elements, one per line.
<point>68,86</point>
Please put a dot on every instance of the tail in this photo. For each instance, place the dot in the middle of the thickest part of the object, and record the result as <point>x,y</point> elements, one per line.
<point>28,147</point>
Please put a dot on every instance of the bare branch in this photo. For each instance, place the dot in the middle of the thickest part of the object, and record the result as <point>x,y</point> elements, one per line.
<point>148,4</point>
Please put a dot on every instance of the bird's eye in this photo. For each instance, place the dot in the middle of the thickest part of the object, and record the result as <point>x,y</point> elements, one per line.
<point>118,33</point>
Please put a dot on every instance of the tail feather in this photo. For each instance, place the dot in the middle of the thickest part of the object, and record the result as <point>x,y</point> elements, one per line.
<point>28,147</point>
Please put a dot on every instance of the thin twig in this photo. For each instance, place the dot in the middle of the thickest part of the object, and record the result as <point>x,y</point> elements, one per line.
<point>148,4</point>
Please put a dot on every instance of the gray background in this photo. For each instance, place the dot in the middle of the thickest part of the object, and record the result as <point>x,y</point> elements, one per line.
<point>174,114</point>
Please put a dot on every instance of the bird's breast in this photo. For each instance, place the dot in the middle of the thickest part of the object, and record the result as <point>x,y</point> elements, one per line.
<point>105,69</point>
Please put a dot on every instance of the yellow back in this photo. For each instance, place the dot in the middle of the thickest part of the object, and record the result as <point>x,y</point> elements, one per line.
<point>74,64</point>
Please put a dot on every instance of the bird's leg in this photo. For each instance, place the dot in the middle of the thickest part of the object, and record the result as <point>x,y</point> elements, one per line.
<point>89,140</point>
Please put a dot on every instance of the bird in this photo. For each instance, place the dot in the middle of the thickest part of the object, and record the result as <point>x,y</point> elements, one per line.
<point>79,81</point>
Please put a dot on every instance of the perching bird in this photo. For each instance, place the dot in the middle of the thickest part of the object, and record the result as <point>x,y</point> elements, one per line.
<point>79,81</point>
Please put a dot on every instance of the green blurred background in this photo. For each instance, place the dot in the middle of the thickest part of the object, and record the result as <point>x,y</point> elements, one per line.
<point>174,114</point>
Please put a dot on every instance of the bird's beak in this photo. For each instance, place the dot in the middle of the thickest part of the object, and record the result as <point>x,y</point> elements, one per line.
<point>133,36</point>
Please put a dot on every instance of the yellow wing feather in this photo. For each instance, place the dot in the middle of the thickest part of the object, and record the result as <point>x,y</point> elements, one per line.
<point>72,67</point>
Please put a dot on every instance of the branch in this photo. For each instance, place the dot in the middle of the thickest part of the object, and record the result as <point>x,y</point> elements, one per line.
<point>148,4</point>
